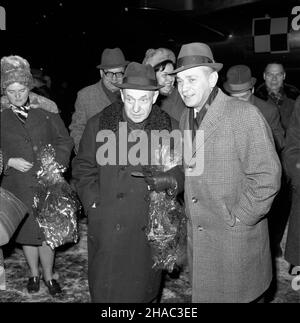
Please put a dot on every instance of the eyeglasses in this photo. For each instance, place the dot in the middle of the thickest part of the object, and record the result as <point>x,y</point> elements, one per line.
<point>277,75</point>
<point>110,75</point>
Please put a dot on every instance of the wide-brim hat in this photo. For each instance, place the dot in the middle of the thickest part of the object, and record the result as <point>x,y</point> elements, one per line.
<point>239,79</point>
<point>193,55</point>
<point>112,58</point>
<point>139,77</point>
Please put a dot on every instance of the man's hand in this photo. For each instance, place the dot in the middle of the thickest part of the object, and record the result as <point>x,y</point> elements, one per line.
<point>160,182</point>
<point>19,164</point>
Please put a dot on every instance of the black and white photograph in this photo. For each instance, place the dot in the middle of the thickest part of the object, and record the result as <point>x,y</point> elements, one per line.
<point>150,154</point>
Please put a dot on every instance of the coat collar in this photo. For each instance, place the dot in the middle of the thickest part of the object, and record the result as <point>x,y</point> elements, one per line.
<point>210,123</point>
<point>111,116</point>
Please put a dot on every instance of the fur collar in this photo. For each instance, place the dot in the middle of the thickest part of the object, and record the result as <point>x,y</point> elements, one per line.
<point>36,101</point>
<point>111,116</point>
<point>289,90</point>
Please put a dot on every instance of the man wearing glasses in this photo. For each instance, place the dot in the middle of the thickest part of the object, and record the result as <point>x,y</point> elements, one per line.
<point>94,98</point>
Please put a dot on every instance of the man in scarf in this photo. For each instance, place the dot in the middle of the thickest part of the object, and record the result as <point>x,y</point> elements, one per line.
<point>227,202</point>
<point>114,155</point>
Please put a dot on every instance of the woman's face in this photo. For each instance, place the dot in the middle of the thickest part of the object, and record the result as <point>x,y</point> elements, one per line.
<point>17,94</point>
<point>166,80</point>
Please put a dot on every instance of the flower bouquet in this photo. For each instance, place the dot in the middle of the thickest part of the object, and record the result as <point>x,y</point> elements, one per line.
<point>55,204</point>
<point>166,229</point>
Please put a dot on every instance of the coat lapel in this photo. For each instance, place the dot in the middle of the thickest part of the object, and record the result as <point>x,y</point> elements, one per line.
<point>209,125</point>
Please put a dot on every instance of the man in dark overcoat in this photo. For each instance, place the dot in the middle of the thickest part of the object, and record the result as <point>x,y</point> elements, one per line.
<point>115,143</point>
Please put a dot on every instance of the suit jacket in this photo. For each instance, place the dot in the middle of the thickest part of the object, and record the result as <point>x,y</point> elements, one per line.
<point>90,100</point>
<point>228,192</point>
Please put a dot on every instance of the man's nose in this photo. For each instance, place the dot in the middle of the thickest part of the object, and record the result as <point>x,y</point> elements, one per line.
<point>136,107</point>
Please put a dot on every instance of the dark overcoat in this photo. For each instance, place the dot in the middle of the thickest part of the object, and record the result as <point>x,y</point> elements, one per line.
<point>20,140</point>
<point>292,164</point>
<point>119,256</point>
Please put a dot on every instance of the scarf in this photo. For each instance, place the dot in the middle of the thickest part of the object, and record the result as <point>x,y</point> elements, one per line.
<point>22,111</point>
<point>195,122</point>
<point>277,98</point>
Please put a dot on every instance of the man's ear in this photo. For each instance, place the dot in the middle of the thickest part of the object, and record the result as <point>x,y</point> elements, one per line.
<point>264,76</point>
<point>101,73</point>
<point>213,79</point>
<point>284,75</point>
<point>155,95</point>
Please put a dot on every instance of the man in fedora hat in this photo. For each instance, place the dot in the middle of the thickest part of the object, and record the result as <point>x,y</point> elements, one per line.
<point>94,98</point>
<point>228,241</point>
<point>117,203</point>
<point>240,84</point>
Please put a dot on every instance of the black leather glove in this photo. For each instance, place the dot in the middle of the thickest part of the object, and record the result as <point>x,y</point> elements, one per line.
<point>161,182</point>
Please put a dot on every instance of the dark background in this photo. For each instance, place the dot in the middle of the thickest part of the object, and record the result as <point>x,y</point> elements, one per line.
<point>66,38</point>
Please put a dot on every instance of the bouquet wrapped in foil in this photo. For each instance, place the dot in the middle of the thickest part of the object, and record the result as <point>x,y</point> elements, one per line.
<point>166,230</point>
<point>55,204</point>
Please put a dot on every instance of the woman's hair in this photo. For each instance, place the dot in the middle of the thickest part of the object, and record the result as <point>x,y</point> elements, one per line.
<point>161,66</point>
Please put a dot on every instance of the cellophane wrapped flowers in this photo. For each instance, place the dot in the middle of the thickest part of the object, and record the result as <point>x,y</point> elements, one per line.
<point>166,229</point>
<point>55,204</point>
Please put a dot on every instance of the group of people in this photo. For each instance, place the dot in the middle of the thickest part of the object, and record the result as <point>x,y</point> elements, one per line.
<point>232,148</point>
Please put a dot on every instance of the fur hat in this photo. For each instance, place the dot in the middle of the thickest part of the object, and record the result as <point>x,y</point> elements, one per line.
<point>159,55</point>
<point>15,69</point>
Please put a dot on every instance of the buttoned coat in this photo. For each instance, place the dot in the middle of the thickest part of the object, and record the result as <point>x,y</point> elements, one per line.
<point>90,100</point>
<point>20,140</point>
<point>117,205</point>
<point>227,200</point>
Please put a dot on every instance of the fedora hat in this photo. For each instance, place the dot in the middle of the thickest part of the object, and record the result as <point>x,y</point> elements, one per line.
<point>112,58</point>
<point>239,79</point>
<point>140,77</point>
<point>193,55</point>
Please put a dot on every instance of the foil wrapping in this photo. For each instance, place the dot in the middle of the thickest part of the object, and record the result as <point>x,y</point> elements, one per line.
<point>55,204</point>
<point>167,228</point>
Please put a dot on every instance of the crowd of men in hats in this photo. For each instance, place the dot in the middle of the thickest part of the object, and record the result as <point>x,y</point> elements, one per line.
<point>246,143</point>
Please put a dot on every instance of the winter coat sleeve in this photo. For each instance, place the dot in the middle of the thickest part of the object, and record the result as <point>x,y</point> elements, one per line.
<point>260,164</point>
<point>79,120</point>
<point>62,142</point>
<point>84,168</point>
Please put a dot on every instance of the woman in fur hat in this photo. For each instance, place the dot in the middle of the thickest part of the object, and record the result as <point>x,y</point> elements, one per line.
<point>163,61</point>
<point>28,124</point>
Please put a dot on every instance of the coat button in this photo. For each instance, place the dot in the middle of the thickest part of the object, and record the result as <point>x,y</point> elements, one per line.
<point>120,195</point>
<point>118,227</point>
<point>200,228</point>
<point>194,200</point>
